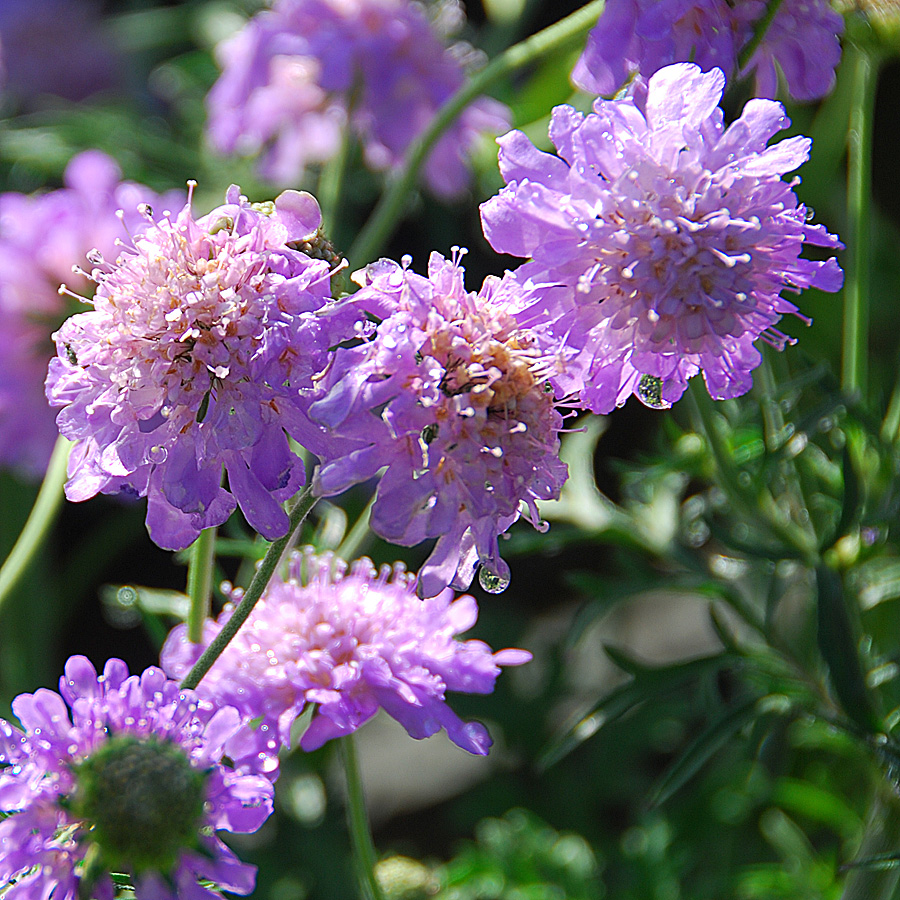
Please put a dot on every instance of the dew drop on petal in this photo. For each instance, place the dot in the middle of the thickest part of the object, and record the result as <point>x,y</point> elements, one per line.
<point>491,582</point>
<point>649,391</point>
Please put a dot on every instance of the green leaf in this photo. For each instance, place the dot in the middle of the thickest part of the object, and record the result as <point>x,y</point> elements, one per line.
<point>838,646</point>
<point>648,683</point>
<point>702,749</point>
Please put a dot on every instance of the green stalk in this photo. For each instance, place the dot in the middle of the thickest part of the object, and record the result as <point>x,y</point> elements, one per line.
<point>357,535</point>
<point>199,582</point>
<point>299,512</point>
<point>331,183</point>
<point>864,69</point>
<point>570,30</point>
<point>43,513</point>
<point>358,822</point>
<point>759,32</point>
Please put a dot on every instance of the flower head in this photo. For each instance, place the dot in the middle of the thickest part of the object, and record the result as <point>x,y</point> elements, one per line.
<point>645,35</point>
<point>42,236</point>
<point>123,773</point>
<point>450,394</point>
<point>202,334</point>
<point>349,642</point>
<point>660,240</point>
<point>298,75</point>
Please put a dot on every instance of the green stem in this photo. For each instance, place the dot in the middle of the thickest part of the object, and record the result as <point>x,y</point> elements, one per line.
<point>864,69</point>
<point>199,582</point>
<point>882,836</point>
<point>299,512</point>
<point>759,32</point>
<point>386,215</point>
<point>44,511</point>
<point>358,821</point>
<point>331,183</point>
<point>357,535</point>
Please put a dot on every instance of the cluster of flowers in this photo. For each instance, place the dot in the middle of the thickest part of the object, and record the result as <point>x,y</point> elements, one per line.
<point>303,73</point>
<point>134,775</point>
<point>660,242</point>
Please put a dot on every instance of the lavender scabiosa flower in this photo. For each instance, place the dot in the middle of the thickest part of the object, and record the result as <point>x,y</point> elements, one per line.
<point>451,395</point>
<point>41,237</point>
<point>660,240</point>
<point>351,642</point>
<point>642,36</point>
<point>302,73</point>
<point>124,773</point>
<point>202,333</point>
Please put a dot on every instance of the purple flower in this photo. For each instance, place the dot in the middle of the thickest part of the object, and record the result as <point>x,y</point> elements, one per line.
<point>645,35</point>
<point>202,333</point>
<point>450,394</point>
<point>298,75</point>
<point>660,240</point>
<point>123,773</point>
<point>349,643</point>
<point>41,237</point>
<point>84,60</point>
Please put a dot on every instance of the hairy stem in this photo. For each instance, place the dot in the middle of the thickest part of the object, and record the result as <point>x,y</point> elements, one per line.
<point>299,512</point>
<point>387,213</point>
<point>46,506</point>
<point>199,582</point>
<point>859,225</point>
<point>358,821</point>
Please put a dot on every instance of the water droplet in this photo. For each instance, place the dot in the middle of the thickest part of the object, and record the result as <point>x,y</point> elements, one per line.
<point>491,582</point>
<point>649,391</point>
<point>158,454</point>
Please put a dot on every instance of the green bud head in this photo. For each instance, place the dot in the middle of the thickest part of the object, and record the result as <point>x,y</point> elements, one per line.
<point>142,800</point>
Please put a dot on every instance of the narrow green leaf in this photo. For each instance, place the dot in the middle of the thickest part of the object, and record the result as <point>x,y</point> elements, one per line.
<point>701,750</point>
<point>838,646</point>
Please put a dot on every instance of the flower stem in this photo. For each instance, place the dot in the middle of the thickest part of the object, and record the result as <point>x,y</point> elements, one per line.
<point>299,512</point>
<point>358,821</point>
<point>759,32</point>
<point>357,535</point>
<point>199,582</point>
<point>864,69</point>
<point>40,519</point>
<point>570,30</point>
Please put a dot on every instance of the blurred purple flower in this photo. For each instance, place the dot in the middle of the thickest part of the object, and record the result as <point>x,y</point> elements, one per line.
<point>202,333</point>
<point>450,394</point>
<point>349,642</point>
<point>41,237</point>
<point>125,770</point>
<point>645,35</point>
<point>660,240</point>
<point>301,73</point>
<point>82,61</point>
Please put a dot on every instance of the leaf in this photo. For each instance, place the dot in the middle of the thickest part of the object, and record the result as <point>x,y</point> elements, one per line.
<point>648,683</point>
<point>702,749</point>
<point>806,799</point>
<point>838,646</point>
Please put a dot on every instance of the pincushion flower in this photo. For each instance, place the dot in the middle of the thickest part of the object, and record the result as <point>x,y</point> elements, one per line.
<point>451,395</point>
<point>201,336</point>
<point>645,35</point>
<point>42,236</point>
<point>349,642</point>
<point>301,74</point>
<point>660,240</point>
<point>123,773</point>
